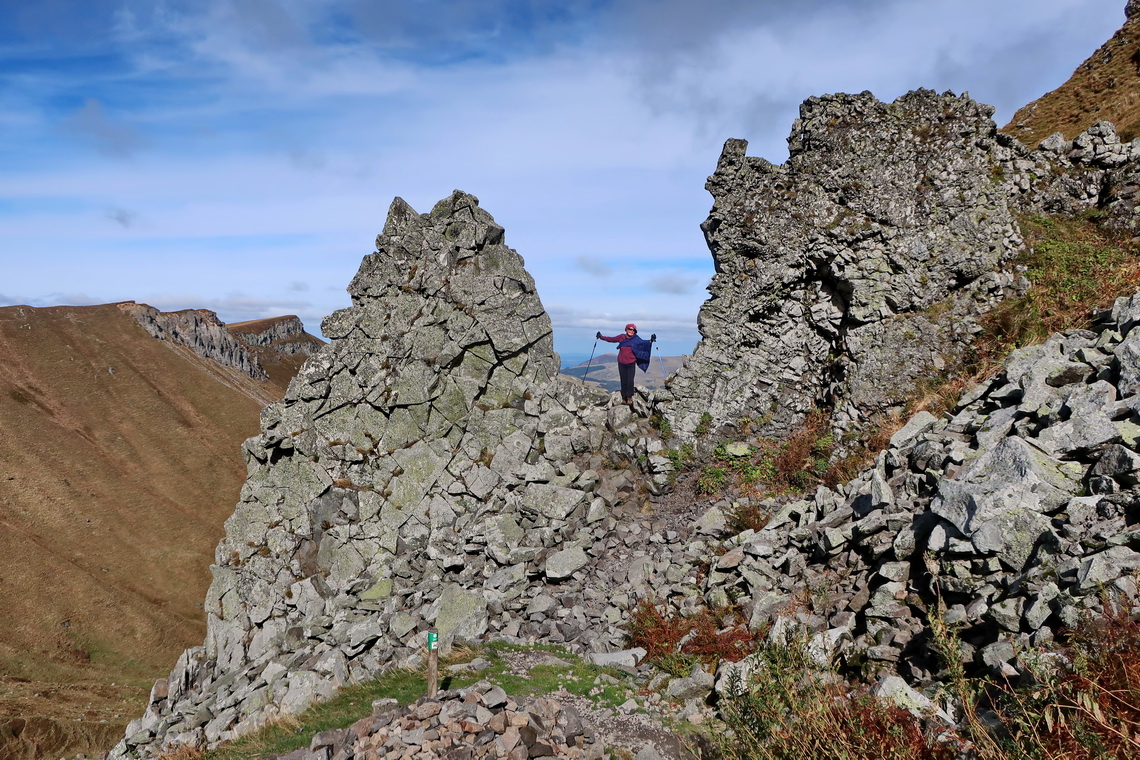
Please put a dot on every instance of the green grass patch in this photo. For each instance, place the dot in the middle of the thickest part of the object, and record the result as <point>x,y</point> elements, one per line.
<point>610,686</point>
<point>605,686</point>
<point>349,706</point>
<point>771,467</point>
<point>1075,267</point>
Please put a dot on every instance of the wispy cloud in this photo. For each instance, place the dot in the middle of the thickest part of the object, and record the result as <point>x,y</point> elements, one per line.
<point>124,217</point>
<point>594,266</point>
<point>236,307</point>
<point>675,283</point>
<point>92,124</point>
<point>62,299</point>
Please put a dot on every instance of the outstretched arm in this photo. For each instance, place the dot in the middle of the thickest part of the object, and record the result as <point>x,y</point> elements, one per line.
<point>614,339</point>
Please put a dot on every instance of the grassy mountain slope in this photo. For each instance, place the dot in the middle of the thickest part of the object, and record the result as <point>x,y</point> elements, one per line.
<point>1106,87</point>
<point>119,463</point>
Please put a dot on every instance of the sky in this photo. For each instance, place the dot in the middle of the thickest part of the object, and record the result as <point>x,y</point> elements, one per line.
<point>241,155</point>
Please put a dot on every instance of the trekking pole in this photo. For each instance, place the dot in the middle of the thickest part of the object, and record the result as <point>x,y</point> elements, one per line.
<point>664,377</point>
<point>587,372</point>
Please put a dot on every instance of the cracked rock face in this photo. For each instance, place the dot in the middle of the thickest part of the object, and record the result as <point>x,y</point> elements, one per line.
<point>825,265</point>
<point>1015,514</point>
<point>460,326</point>
<point>406,456</point>
<point>862,263</point>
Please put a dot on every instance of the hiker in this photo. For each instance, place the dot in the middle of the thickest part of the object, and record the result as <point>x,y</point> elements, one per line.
<point>633,351</point>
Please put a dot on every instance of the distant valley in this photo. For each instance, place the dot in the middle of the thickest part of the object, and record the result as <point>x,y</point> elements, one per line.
<point>603,371</point>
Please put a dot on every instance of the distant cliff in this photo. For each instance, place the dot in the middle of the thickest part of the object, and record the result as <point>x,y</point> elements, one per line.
<point>285,334</point>
<point>199,330</point>
<point>279,344</point>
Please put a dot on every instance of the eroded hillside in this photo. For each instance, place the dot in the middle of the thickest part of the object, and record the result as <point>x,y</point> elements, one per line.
<point>118,466</point>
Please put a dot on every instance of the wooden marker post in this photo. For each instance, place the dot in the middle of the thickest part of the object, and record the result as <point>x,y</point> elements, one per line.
<point>433,662</point>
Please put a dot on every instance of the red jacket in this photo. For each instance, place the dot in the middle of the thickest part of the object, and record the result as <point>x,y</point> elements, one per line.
<point>625,353</point>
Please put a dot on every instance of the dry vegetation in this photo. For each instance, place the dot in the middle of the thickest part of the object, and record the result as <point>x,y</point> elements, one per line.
<point>675,644</point>
<point>120,462</point>
<point>1081,700</point>
<point>1106,87</point>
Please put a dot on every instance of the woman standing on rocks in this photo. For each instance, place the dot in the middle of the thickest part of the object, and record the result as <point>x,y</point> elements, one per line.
<point>633,351</point>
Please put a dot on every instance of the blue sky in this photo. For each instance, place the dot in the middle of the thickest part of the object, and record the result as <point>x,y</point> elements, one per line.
<point>240,155</point>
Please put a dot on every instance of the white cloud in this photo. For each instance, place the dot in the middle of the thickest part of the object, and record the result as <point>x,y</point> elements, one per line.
<point>276,136</point>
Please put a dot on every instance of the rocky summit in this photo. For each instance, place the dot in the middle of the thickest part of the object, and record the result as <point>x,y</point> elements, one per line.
<point>827,266</point>
<point>863,262</point>
<point>429,467</point>
<point>418,472</point>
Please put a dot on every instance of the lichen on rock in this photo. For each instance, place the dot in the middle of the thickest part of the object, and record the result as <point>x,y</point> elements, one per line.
<point>828,267</point>
<point>374,489</point>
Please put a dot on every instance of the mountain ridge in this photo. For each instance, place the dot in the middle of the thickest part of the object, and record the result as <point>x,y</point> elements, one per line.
<point>117,470</point>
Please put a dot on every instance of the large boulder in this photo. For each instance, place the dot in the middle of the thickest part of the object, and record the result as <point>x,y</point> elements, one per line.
<point>852,269</point>
<point>401,484</point>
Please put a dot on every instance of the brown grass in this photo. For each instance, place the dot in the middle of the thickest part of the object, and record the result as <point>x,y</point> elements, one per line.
<point>1104,87</point>
<point>675,643</point>
<point>119,462</point>
<point>1083,702</point>
<point>1091,706</point>
<point>798,709</point>
<point>182,752</point>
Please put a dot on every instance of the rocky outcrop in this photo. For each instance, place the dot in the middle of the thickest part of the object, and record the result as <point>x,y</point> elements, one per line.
<point>419,472</point>
<point>199,330</point>
<point>282,334</point>
<point>852,269</point>
<point>1093,173</point>
<point>862,264</point>
<point>1013,515</point>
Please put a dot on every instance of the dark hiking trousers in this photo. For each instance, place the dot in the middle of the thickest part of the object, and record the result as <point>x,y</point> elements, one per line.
<point>626,372</point>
